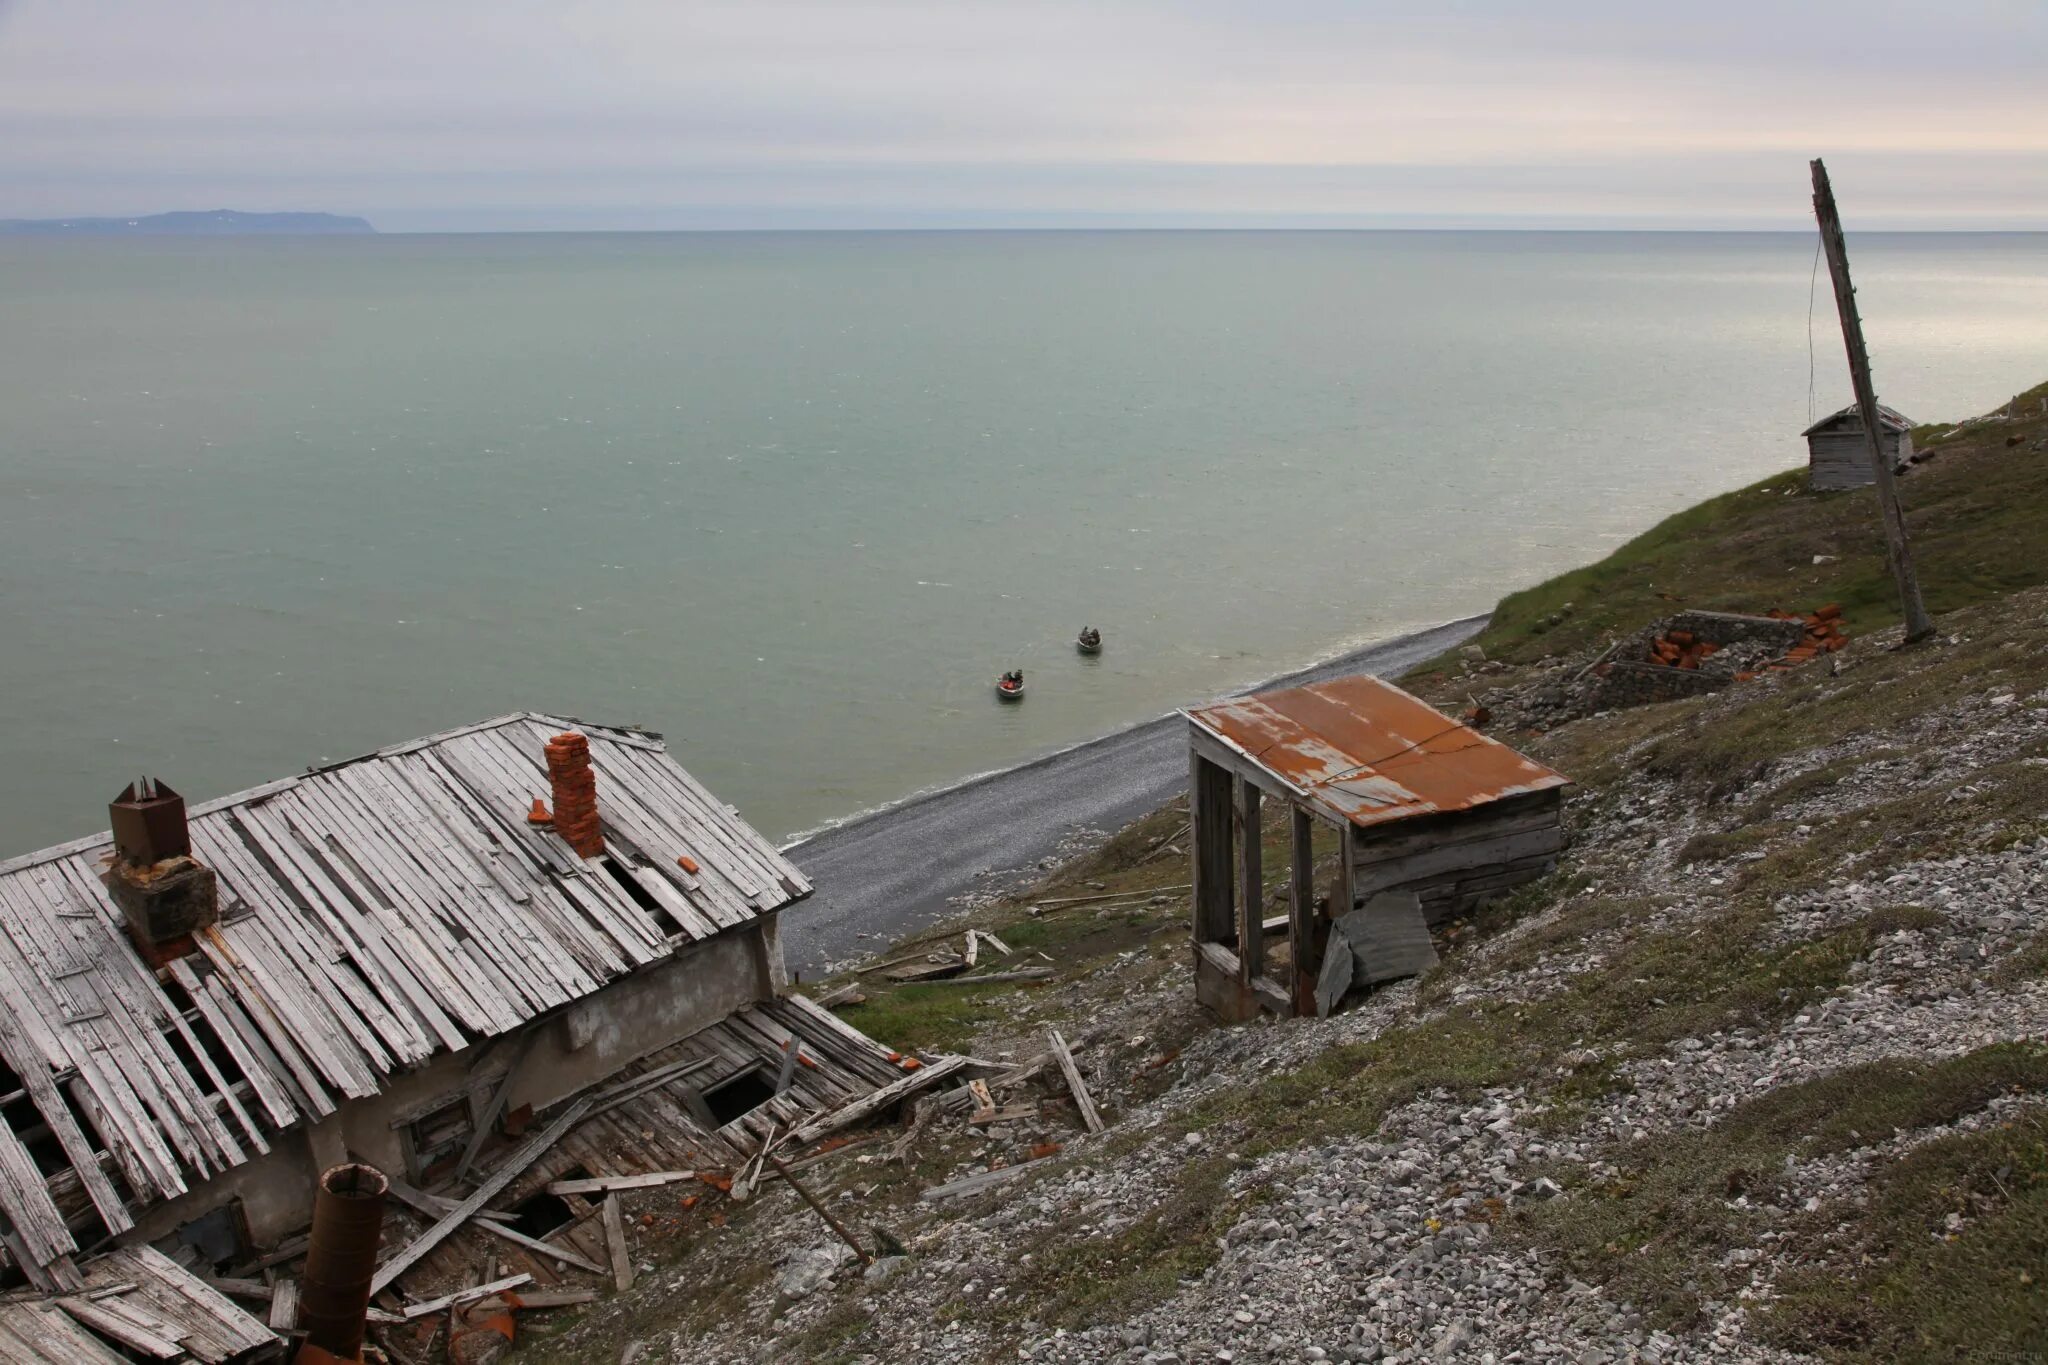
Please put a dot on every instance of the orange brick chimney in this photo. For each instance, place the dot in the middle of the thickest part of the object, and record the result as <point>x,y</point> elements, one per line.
<point>575,794</point>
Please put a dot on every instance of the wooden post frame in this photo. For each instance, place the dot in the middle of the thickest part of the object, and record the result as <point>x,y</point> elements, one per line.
<point>1301,910</point>
<point>1251,884</point>
<point>1209,852</point>
<point>1918,624</point>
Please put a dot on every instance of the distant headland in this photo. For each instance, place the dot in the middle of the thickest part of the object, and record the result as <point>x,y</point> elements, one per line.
<point>206,223</point>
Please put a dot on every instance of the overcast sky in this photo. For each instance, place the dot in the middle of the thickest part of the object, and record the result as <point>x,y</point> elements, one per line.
<point>490,114</point>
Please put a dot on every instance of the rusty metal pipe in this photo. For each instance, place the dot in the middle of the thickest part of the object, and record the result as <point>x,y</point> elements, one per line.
<point>341,1257</point>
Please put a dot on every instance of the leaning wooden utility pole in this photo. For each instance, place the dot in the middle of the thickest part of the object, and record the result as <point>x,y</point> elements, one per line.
<point>1897,551</point>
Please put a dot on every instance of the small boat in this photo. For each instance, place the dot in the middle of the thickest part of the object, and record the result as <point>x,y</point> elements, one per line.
<point>1089,641</point>
<point>1010,687</point>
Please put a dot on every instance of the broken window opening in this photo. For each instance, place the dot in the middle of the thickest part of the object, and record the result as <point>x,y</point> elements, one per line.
<point>541,1214</point>
<point>740,1095</point>
<point>643,898</point>
<point>435,1140</point>
<point>221,1238</point>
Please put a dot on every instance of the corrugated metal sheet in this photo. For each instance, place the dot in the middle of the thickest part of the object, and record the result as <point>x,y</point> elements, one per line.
<point>373,914</point>
<point>1366,751</point>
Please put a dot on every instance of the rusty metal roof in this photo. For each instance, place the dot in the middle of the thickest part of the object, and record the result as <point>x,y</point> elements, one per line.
<point>1368,752</point>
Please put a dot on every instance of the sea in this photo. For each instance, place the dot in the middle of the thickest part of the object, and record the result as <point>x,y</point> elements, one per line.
<point>795,499</point>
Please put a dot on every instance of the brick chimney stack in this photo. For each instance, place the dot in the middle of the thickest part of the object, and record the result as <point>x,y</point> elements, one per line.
<point>575,789</point>
<point>163,893</point>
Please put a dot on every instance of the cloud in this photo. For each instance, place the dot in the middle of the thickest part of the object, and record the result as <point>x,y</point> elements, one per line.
<point>519,113</point>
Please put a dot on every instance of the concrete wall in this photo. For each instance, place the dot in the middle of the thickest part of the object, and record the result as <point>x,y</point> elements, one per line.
<point>573,1048</point>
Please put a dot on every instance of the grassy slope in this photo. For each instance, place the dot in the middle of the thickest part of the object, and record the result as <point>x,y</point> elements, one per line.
<point>1975,517</point>
<point>1979,514</point>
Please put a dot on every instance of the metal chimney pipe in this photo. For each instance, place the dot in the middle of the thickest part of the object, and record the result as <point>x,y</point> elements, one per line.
<point>341,1258</point>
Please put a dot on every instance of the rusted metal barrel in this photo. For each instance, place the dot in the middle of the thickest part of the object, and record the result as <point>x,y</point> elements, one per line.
<point>341,1258</point>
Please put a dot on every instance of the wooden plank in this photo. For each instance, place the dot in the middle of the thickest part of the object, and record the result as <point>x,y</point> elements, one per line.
<point>488,1190</point>
<point>606,1184</point>
<point>1476,856</point>
<point>284,1306</point>
<point>469,1295</point>
<point>118,1328</point>
<point>992,978</point>
<point>437,1208</point>
<point>1251,882</point>
<point>496,1105</point>
<point>1082,1098</point>
<point>975,1184</point>
<point>615,1242</point>
<point>876,1101</point>
<point>1209,852</point>
<point>1301,907</point>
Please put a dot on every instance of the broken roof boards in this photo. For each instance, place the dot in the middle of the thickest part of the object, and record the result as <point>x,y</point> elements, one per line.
<point>374,913</point>
<point>1421,803</point>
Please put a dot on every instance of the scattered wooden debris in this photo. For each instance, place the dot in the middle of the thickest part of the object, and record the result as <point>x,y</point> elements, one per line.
<point>507,1171</point>
<point>991,978</point>
<point>553,1298</point>
<point>284,1306</point>
<point>858,1250</point>
<point>608,1184</point>
<point>1082,1099</point>
<point>973,950</point>
<point>1008,1113</point>
<point>991,940</point>
<point>848,994</point>
<point>975,1184</point>
<point>931,969</point>
<point>615,1242</point>
<point>481,1291</point>
<point>434,1206</point>
<point>875,1101</point>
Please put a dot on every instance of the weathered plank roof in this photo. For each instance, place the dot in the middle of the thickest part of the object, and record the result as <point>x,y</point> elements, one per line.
<point>373,913</point>
<point>1849,416</point>
<point>140,1299</point>
<point>1365,751</point>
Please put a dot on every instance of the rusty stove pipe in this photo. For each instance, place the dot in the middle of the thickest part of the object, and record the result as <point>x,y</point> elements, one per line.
<point>341,1258</point>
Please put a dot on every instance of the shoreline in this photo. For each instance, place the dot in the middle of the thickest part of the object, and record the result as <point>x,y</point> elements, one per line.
<point>888,872</point>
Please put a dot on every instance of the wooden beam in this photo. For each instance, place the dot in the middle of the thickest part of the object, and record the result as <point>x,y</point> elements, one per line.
<point>1301,905</point>
<point>607,1184</point>
<point>1251,883</point>
<point>1209,854</point>
<point>434,1207</point>
<point>496,1104</point>
<point>1082,1099</point>
<point>506,1173</point>
<point>474,1292</point>
<point>615,1243</point>
<point>1918,624</point>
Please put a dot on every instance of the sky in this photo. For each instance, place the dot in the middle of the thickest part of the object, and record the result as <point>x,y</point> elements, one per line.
<point>485,115</point>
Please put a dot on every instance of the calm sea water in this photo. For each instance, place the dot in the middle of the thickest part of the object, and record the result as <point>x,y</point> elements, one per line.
<point>796,499</point>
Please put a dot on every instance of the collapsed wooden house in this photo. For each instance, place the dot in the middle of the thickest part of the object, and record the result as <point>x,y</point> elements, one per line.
<point>400,960</point>
<point>1838,450</point>
<point>1418,803</point>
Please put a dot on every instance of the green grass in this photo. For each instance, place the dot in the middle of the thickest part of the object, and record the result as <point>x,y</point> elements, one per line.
<point>1077,1280</point>
<point>1977,514</point>
<point>1657,1232</point>
<point>1902,1288</point>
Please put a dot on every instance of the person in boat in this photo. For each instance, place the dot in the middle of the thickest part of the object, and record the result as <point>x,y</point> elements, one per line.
<point>1013,679</point>
<point>1090,636</point>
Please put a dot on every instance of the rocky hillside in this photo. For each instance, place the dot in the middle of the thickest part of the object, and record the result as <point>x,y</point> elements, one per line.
<point>1754,1077</point>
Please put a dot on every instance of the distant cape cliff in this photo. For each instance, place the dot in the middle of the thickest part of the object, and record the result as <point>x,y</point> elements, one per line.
<point>207,223</point>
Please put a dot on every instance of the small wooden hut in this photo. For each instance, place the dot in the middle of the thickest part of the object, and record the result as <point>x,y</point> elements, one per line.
<point>1417,802</point>
<point>1838,452</point>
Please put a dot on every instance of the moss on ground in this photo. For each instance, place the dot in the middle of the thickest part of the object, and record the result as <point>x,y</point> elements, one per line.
<point>1977,512</point>
<point>1660,1230</point>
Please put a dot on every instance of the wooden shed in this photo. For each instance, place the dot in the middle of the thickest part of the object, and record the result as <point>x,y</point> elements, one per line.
<point>1407,798</point>
<point>1838,453</point>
